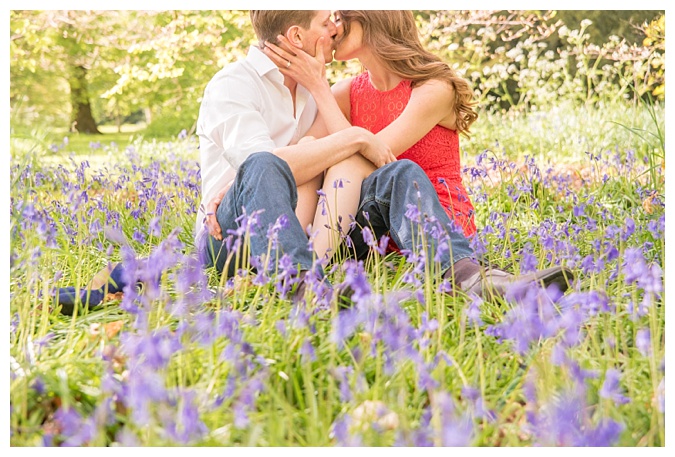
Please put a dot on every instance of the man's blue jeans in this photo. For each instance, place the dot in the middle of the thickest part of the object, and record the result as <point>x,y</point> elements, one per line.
<point>265,182</point>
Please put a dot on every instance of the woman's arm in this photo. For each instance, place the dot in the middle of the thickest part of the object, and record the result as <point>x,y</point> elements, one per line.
<point>430,104</point>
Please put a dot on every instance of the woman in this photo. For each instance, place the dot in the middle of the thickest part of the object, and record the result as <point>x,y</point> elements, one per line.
<point>411,99</point>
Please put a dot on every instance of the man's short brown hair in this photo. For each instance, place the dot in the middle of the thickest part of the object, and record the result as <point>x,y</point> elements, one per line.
<point>270,23</point>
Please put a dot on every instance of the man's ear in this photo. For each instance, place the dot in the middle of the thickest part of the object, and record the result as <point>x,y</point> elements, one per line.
<point>294,35</point>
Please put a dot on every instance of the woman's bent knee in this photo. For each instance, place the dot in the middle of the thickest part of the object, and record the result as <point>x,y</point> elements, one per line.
<point>356,167</point>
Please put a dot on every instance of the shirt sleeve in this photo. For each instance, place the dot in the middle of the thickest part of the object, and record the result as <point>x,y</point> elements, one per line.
<point>232,118</point>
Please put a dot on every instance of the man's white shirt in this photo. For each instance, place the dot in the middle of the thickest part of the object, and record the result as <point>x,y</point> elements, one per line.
<point>246,108</point>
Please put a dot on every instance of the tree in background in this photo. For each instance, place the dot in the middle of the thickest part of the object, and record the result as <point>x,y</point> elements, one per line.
<point>56,55</point>
<point>69,68</point>
<point>169,64</point>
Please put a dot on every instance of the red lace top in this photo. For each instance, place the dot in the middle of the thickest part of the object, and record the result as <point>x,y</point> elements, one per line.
<point>437,152</point>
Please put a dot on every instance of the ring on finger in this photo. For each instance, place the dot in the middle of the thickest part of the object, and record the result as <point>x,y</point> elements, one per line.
<point>288,65</point>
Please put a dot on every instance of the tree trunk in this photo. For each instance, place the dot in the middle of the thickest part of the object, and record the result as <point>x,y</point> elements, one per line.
<point>81,119</point>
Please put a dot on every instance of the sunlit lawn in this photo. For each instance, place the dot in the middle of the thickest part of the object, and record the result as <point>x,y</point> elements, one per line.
<point>193,360</point>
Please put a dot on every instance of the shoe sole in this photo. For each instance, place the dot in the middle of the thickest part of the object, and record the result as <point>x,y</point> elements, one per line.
<point>559,276</point>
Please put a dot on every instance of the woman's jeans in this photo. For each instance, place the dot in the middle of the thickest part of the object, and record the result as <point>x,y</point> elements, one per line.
<point>264,189</point>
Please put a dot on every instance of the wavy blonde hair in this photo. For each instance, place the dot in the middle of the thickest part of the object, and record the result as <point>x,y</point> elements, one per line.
<point>394,38</point>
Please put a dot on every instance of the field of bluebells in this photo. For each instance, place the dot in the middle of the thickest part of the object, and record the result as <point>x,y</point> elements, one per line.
<point>194,360</point>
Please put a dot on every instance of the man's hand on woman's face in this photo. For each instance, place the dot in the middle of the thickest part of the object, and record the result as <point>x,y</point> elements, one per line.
<point>303,68</point>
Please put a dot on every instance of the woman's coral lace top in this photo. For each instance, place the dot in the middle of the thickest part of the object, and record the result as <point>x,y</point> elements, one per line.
<point>437,152</point>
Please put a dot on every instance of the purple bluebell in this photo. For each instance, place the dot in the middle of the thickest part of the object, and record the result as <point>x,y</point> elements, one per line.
<point>280,326</point>
<point>273,232</point>
<point>187,426</point>
<point>75,429</point>
<point>341,374</point>
<point>661,396</point>
<point>340,430</point>
<point>425,380</point>
<point>477,404</point>
<point>115,235</point>
<point>298,317</point>
<point>643,342</point>
<point>413,213</point>
<point>139,237</point>
<point>155,228</point>
<point>456,427</point>
<point>628,229</point>
<point>307,353</point>
<point>473,310</point>
<point>260,264</point>
<point>368,237</point>
<point>38,385</point>
<point>155,348</point>
<point>611,388</point>
<point>530,318</point>
<point>565,421</point>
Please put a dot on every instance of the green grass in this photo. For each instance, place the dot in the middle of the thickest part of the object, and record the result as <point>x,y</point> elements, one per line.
<point>61,201</point>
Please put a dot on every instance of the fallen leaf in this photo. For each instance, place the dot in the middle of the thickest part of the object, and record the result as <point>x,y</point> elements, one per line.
<point>113,328</point>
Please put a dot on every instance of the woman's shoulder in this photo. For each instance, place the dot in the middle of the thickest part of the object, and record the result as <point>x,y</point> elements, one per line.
<point>341,92</point>
<point>440,93</point>
<point>435,87</point>
<point>341,89</point>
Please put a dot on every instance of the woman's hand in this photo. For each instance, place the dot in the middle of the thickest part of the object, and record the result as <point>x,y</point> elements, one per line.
<point>303,68</point>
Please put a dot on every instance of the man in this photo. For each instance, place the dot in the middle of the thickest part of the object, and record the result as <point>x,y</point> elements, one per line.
<point>250,121</point>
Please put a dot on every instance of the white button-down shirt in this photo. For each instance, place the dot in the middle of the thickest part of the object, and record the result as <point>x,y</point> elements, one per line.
<point>246,108</point>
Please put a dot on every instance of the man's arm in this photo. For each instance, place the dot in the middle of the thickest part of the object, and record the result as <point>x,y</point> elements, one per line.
<point>308,159</point>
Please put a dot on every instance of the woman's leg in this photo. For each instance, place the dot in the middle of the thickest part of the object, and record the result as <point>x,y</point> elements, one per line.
<point>335,211</point>
<point>308,197</point>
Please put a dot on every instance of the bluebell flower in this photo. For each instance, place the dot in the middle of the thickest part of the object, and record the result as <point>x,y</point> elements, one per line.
<point>115,235</point>
<point>155,228</point>
<point>341,373</point>
<point>628,229</point>
<point>155,348</point>
<point>611,388</point>
<point>340,430</point>
<point>528,262</point>
<point>643,342</point>
<point>565,421</point>
<point>281,223</point>
<point>413,213</point>
<point>473,310</point>
<point>456,428</point>
<point>187,426</point>
<point>368,237</point>
<point>661,396</point>
<point>287,275</point>
<point>307,352</point>
<point>75,429</point>
<point>530,318</point>
<point>477,404</point>
<point>139,237</point>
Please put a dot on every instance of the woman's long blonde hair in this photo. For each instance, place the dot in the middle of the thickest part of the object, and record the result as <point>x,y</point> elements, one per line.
<point>393,37</point>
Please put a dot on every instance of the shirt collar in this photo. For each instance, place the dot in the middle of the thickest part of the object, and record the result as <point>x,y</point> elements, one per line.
<point>260,62</point>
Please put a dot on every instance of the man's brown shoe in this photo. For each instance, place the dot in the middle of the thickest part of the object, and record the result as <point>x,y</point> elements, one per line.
<point>495,282</point>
